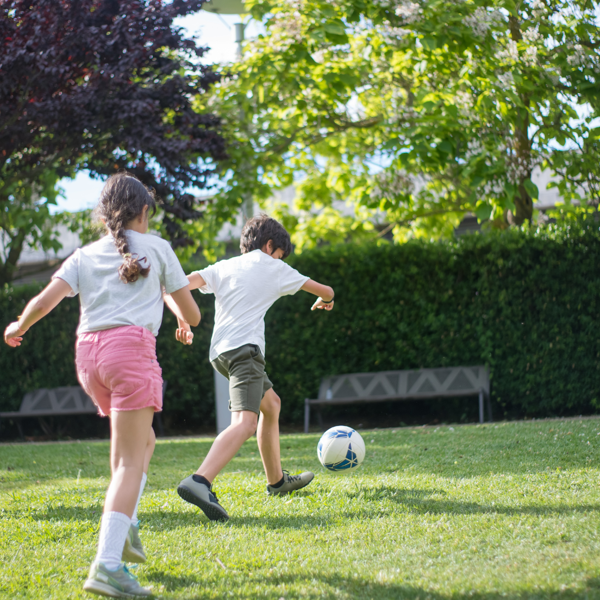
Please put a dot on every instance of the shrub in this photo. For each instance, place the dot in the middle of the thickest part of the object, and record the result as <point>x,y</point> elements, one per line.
<point>524,303</point>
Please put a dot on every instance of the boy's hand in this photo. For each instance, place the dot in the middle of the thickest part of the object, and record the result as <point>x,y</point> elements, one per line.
<point>13,336</point>
<point>184,333</point>
<point>320,304</point>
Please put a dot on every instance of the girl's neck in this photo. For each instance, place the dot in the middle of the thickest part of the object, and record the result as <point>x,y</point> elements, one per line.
<point>138,224</point>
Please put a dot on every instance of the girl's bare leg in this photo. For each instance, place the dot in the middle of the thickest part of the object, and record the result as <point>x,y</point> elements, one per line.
<point>149,449</point>
<point>130,431</point>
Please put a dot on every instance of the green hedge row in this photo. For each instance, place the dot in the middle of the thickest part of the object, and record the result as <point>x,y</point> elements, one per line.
<point>524,303</point>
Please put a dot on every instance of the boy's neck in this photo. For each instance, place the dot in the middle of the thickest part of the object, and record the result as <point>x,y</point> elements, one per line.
<point>273,253</point>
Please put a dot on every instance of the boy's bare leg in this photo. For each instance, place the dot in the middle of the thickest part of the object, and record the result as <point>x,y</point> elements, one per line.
<point>267,436</point>
<point>228,443</point>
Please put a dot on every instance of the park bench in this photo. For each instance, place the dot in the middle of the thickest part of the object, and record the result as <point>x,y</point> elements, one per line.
<point>420,384</point>
<point>45,403</point>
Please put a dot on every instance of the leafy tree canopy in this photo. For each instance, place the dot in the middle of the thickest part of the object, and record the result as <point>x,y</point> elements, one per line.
<point>100,85</point>
<point>415,112</point>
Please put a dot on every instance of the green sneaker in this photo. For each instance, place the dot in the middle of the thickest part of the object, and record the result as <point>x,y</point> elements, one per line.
<point>290,483</point>
<point>203,497</point>
<point>115,584</point>
<point>133,551</point>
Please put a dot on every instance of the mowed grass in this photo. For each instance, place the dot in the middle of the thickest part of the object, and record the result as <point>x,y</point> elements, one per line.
<point>496,511</point>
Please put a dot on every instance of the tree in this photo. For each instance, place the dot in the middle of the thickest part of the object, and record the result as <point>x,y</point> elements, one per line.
<point>101,85</point>
<point>415,112</point>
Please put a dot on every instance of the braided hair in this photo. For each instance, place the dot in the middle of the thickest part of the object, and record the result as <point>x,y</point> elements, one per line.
<point>122,199</point>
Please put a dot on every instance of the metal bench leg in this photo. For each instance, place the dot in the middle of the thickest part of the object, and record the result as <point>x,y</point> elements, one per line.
<point>306,415</point>
<point>481,406</point>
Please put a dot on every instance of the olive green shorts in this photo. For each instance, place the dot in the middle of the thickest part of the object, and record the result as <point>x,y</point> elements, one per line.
<point>248,382</point>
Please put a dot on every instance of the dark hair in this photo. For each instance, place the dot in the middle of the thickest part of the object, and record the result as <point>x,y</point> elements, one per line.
<point>122,199</point>
<point>259,230</point>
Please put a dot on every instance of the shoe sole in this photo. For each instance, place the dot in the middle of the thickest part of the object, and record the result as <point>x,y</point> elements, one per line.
<point>208,508</point>
<point>131,555</point>
<point>276,493</point>
<point>103,589</point>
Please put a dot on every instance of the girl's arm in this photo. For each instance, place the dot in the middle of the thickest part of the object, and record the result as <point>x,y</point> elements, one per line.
<point>184,333</point>
<point>195,282</point>
<point>183,306</point>
<point>325,293</point>
<point>36,309</point>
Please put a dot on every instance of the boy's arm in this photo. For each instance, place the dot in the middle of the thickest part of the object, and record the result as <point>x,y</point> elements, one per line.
<point>196,281</point>
<point>36,309</point>
<point>325,293</point>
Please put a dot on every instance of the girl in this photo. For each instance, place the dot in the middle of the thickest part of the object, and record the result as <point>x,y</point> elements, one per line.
<point>120,281</point>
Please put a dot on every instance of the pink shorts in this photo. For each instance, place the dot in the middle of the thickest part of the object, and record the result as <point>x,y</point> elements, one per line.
<point>118,369</point>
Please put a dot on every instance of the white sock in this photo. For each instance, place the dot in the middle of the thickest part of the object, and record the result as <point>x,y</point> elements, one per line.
<point>113,532</point>
<point>134,519</point>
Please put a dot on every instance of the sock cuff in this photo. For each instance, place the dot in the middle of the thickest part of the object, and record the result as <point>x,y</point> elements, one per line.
<point>279,483</point>
<point>201,479</point>
<point>115,516</point>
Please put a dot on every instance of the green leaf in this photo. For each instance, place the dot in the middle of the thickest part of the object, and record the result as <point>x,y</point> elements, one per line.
<point>483,211</point>
<point>335,27</point>
<point>531,188</point>
<point>429,42</point>
<point>446,146</point>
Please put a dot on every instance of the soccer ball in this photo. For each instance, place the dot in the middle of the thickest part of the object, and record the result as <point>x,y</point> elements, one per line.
<point>341,449</point>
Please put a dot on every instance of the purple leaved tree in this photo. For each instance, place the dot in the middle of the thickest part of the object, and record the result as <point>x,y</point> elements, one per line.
<point>101,85</point>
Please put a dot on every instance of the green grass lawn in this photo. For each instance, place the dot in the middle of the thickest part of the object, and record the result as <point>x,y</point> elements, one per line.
<point>508,510</point>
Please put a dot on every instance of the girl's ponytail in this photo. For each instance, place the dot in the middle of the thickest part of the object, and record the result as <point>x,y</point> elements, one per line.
<point>122,199</point>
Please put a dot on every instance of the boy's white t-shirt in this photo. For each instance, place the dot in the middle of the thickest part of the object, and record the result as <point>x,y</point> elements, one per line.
<point>246,287</point>
<point>107,302</point>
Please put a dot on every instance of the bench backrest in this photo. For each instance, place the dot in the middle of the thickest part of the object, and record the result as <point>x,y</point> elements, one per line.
<point>424,383</point>
<point>62,399</point>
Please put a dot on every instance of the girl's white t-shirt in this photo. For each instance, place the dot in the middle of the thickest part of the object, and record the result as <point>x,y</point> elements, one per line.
<point>246,287</point>
<point>107,302</point>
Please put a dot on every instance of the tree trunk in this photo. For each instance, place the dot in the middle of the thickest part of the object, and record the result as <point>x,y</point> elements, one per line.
<point>9,267</point>
<point>522,147</point>
<point>523,208</point>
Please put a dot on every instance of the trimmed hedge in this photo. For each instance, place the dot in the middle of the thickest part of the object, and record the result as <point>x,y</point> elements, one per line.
<point>524,303</point>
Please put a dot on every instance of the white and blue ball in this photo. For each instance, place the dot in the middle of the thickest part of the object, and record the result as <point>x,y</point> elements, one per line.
<point>341,449</point>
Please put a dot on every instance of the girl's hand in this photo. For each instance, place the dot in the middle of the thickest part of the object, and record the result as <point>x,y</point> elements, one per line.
<point>13,335</point>
<point>184,333</point>
<point>320,304</point>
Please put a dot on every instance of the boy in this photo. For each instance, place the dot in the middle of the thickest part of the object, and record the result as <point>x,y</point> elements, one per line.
<point>245,288</point>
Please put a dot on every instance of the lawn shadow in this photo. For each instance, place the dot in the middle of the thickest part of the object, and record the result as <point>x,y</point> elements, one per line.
<point>174,583</point>
<point>334,586</point>
<point>358,587</point>
<point>67,513</point>
<point>421,501</point>
<point>368,503</point>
